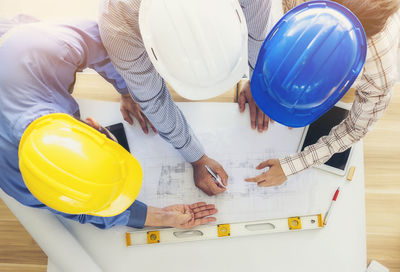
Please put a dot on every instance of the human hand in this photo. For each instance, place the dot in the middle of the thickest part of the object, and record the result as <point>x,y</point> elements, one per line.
<point>204,180</point>
<point>274,176</point>
<point>181,216</point>
<point>258,119</point>
<point>128,106</point>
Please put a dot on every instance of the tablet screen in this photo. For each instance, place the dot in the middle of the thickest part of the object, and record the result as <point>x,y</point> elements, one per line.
<point>322,127</point>
<point>119,133</point>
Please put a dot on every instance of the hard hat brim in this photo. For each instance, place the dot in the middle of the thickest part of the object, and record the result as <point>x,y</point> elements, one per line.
<point>129,191</point>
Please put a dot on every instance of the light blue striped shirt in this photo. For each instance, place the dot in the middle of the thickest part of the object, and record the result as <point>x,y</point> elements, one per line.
<point>119,29</point>
<point>38,63</point>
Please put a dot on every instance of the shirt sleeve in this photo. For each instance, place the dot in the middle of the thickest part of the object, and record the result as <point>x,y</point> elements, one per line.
<point>107,71</point>
<point>90,45</point>
<point>373,92</point>
<point>121,37</point>
<point>7,24</point>
<point>257,18</point>
<point>134,216</point>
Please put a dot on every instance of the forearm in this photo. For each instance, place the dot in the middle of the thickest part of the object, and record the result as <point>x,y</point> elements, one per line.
<point>373,92</point>
<point>365,112</point>
<point>337,141</point>
<point>108,72</point>
<point>171,124</point>
<point>155,217</point>
<point>147,88</point>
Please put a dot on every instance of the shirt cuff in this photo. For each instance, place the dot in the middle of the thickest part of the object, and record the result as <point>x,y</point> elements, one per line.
<point>122,91</point>
<point>193,150</point>
<point>138,215</point>
<point>291,165</point>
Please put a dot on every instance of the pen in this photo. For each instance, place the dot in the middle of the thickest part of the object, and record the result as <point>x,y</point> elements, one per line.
<point>217,179</point>
<point>333,203</point>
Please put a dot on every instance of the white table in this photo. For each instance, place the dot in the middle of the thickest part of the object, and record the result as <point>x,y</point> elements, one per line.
<point>341,246</point>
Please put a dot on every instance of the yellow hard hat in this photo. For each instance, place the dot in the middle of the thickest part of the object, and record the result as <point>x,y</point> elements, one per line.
<point>72,168</point>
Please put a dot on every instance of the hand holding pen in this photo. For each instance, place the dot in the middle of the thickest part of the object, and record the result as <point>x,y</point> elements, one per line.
<point>216,177</point>
<point>209,176</point>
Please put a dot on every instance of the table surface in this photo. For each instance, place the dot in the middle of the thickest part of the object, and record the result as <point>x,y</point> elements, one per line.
<point>340,246</point>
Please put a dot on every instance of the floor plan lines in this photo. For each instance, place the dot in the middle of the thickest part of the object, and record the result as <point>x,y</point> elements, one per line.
<point>169,180</point>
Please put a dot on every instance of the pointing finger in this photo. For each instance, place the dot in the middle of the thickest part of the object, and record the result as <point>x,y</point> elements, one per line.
<point>258,178</point>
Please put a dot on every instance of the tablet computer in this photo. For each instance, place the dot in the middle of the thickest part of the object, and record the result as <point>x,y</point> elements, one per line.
<point>119,132</point>
<point>338,163</point>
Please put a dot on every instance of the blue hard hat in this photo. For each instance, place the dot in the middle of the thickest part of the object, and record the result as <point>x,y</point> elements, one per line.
<point>308,62</point>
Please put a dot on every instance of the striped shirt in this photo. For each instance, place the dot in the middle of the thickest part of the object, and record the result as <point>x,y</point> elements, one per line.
<point>119,28</point>
<point>373,87</point>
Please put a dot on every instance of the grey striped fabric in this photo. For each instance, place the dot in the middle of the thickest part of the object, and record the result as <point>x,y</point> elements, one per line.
<point>120,33</point>
<point>374,87</point>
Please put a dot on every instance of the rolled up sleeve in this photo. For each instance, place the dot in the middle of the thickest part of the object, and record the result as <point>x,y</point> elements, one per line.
<point>121,37</point>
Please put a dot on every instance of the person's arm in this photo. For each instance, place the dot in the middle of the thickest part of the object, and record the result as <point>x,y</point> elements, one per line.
<point>373,93</point>
<point>98,60</point>
<point>139,215</point>
<point>128,106</point>
<point>257,14</point>
<point>120,34</point>
<point>121,37</point>
<point>181,216</point>
<point>108,72</point>
<point>134,216</point>
<point>257,18</point>
<point>20,19</point>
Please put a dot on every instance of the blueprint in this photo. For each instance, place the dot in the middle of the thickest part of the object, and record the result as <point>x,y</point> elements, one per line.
<point>169,181</point>
<point>227,138</point>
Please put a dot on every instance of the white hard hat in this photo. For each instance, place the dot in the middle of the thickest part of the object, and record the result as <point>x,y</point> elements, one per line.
<point>198,46</point>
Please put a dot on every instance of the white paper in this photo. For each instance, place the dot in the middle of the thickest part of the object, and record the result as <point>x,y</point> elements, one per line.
<point>169,181</point>
<point>227,137</point>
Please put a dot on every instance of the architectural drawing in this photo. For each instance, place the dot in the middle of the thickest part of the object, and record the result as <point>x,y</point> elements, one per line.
<point>169,181</point>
